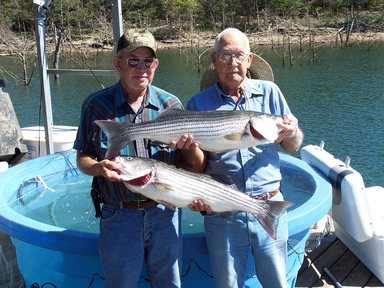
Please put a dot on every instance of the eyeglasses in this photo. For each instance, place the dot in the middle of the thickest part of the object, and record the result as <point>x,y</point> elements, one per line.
<point>227,57</point>
<point>137,62</point>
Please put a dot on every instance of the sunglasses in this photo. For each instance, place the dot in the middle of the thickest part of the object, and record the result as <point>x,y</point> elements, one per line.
<point>227,57</point>
<point>137,62</point>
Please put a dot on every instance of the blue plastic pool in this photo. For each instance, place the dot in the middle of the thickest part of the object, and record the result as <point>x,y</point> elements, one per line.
<point>46,209</point>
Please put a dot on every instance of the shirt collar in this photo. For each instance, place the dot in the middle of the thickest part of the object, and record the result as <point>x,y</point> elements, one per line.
<point>149,101</point>
<point>253,87</point>
<point>250,87</point>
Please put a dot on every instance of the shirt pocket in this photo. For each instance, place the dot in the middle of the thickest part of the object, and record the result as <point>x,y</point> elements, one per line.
<point>256,103</point>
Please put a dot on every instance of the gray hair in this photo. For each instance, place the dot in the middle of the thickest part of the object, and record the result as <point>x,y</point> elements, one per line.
<point>235,32</point>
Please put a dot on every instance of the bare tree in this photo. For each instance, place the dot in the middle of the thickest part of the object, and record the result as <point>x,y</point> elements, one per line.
<point>20,46</point>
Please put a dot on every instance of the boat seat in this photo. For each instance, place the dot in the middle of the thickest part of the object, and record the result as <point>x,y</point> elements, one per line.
<point>351,212</point>
<point>375,199</point>
<point>350,208</point>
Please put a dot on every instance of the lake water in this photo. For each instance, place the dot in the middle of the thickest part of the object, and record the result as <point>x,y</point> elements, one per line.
<point>339,98</point>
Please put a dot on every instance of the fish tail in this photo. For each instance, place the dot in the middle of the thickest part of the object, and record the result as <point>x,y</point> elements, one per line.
<point>114,133</point>
<point>269,218</point>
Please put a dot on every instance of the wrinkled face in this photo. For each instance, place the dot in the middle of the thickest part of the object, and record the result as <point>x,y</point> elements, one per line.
<point>136,68</point>
<point>231,62</point>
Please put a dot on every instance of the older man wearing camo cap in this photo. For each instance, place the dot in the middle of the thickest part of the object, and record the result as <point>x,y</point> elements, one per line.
<point>134,230</point>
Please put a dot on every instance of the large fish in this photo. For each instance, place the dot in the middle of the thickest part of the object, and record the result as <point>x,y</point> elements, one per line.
<point>215,131</point>
<point>177,187</point>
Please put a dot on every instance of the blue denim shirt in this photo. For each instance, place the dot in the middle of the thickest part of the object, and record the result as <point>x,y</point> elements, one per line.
<point>255,170</point>
<point>110,103</point>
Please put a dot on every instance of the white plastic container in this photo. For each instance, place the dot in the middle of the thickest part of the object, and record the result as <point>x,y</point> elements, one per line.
<point>34,137</point>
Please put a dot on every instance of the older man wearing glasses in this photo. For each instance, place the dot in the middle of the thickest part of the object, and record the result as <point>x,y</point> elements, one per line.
<point>228,85</point>
<point>133,229</point>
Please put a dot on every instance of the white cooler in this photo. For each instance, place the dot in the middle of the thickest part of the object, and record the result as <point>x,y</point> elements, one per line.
<point>34,137</point>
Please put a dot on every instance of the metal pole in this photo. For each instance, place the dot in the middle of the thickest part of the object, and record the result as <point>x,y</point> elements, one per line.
<point>333,278</point>
<point>43,64</point>
<point>117,21</point>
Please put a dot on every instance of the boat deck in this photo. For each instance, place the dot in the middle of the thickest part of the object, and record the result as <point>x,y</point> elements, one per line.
<point>346,269</point>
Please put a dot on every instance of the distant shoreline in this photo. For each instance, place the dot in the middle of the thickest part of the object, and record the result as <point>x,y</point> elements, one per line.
<point>320,35</point>
<point>202,40</point>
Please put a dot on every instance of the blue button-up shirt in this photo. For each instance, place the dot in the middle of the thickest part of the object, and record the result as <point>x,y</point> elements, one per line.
<point>255,170</point>
<point>110,103</point>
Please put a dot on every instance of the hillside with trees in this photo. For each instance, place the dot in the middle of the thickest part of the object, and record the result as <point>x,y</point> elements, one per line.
<point>85,25</point>
<point>172,19</point>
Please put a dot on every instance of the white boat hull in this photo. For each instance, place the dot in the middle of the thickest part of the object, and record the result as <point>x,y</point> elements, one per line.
<point>357,211</point>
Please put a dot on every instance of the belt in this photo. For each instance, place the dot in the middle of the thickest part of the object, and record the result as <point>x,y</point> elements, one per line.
<point>267,195</point>
<point>138,204</point>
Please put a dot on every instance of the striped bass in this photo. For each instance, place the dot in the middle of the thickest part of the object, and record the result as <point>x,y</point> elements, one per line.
<point>215,131</point>
<point>177,187</point>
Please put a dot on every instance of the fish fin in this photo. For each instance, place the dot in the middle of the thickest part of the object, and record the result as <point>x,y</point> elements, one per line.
<point>233,136</point>
<point>162,187</point>
<point>167,204</point>
<point>264,128</point>
<point>113,150</point>
<point>270,218</point>
<point>110,127</point>
<point>114,130</point>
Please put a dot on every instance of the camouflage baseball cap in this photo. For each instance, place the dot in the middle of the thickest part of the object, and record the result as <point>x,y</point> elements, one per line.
<point>133,40</point>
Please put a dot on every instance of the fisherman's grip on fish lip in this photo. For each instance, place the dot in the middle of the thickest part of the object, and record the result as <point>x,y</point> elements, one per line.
<point>137,176</point>
<point>288,125</point>
<point>146,175</point>
<point>108,169</point>
<point>143,178</point>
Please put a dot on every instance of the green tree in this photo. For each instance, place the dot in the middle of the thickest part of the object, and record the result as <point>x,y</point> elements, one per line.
<point>180,10</point>
<point>18,14</point>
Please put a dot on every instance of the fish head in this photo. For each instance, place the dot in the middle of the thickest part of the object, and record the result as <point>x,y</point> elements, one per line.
<point>264,128</point>
<point>134,168</point>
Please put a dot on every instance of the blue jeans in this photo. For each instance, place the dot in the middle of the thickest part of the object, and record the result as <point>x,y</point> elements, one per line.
<point>131,237</point>
<point>231,238</point>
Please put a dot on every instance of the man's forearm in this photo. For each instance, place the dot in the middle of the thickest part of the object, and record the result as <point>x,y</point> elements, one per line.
<point>87,164</point>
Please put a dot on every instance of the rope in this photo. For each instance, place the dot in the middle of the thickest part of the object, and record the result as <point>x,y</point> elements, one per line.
<point>45,284</point>
<point>94,275</point>
<point>42,180</point>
